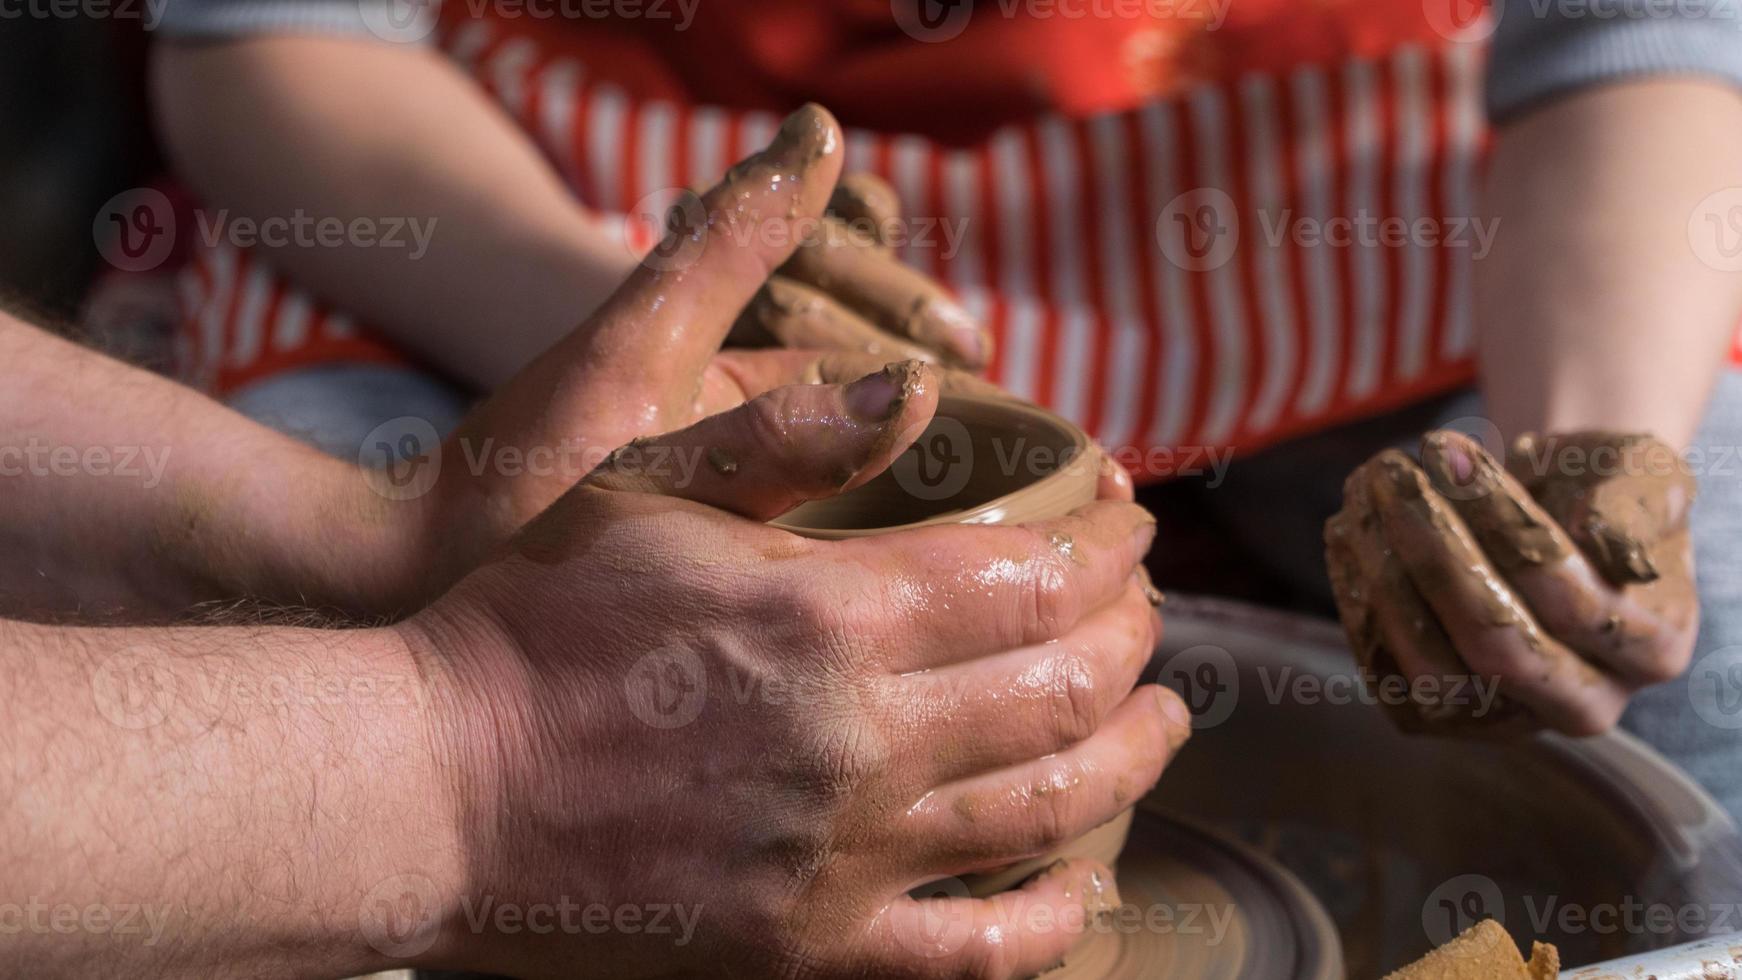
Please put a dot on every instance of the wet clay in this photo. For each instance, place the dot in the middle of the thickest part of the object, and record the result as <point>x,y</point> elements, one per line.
<point>1619,495</point>
<point>1574,518</point>
<point>1483,952</point>
<point>1392,630</point>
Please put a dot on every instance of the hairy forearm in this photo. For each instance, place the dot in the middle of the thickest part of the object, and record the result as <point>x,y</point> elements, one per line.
<point>268,127</point>
<point>125,494</point>
<point>1596,308</point>
<point>214,801</point>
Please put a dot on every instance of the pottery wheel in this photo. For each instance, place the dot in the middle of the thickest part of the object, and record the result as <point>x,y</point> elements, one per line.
<point>1202,906</point>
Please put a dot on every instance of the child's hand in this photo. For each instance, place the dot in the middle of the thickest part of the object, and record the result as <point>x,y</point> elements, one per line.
<point>846,289</point>
<point>1565,578</point>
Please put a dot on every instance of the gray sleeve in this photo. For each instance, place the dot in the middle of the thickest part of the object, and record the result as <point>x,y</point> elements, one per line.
<point>1545,48</point>
<point>403,21</point>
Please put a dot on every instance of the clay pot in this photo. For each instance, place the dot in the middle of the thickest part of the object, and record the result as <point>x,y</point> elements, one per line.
<point>981,461</point>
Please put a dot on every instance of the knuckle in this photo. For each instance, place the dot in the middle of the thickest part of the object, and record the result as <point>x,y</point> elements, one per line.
<point>1052,599</point>
<point>1074,696</point>
<point>1049,817</point>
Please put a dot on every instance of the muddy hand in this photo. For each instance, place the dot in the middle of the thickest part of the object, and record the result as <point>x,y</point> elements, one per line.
<point>657,701</point>
<point>646,362</point>
<point>1563,582</point>
<point>845,289</point>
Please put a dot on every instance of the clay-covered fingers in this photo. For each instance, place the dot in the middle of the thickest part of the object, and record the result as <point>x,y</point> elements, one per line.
<point>866,203</point>
<point>1494,632</point>
<point>1014,934</point>
<point>895,298</point>
<point>960,592</point>
<point>1035,700</point>
<point>1392,629</point>
<point>1571,600</point>
<point>1025,810</point>
<point>783,447</point>
<point>788,313</point>
<point>1621,497</point>
<point>670,316</point>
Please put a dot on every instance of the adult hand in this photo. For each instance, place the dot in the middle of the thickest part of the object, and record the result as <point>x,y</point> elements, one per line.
<point>1565,577</point>
<point>647,362</point>
<point>659,701</point>
<point>845,288</point>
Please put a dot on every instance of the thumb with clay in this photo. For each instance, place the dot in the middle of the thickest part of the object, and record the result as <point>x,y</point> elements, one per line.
<point>784,447</point>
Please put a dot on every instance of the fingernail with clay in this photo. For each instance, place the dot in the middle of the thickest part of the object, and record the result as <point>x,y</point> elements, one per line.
<point>877,397</point>
<point>808,133</point>
<point>1458,462</point>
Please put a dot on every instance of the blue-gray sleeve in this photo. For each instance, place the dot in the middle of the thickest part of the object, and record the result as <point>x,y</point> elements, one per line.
<point>1546,48</point>
<point>388,20</point>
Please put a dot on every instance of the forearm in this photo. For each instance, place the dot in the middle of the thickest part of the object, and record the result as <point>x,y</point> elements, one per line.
<point>215,801</point>
<point>1595,308</point>
<point>124,493</point>
<point>346,128</point>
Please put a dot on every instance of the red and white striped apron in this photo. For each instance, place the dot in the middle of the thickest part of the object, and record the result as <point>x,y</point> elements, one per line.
<point>1060,254</point>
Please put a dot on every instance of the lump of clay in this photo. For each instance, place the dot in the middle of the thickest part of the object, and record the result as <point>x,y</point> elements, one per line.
<point>1483,952</point>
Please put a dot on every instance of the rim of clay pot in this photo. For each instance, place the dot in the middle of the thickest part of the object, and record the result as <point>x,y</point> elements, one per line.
<point>959,419</point>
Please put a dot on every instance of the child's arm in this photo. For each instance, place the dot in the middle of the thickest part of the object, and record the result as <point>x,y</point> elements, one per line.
<point>357,127</point>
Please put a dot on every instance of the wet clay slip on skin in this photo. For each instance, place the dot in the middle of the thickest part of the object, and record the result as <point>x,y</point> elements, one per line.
<point>982,460</point>
<point>989,460</point>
